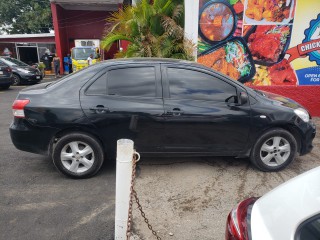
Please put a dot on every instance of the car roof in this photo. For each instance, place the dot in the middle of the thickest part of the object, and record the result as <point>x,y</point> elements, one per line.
<point>150,59</point>
<point>278,214</point>
<point>153,60</point>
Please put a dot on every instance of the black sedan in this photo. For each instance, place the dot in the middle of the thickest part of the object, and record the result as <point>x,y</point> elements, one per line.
<point>6,78</point>
<point>22,72</point>
<point>167,107</point>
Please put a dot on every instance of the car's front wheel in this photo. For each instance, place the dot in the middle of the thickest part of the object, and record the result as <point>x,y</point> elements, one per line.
<point>274,150</point>
<point>78,155</point>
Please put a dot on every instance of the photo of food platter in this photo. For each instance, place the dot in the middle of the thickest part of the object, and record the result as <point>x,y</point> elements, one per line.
<point>278,74</point>
<point>268,11</point>
<point>219,21</point>
<point>231,58</point>
<point>216,21</point>
<point>268,43</point>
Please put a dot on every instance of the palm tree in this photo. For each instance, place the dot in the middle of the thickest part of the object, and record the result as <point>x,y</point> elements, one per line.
<point>153,30</point>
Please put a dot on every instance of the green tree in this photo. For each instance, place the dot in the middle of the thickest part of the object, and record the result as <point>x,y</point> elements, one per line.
<point>25,16</point>
<point>153,29</point>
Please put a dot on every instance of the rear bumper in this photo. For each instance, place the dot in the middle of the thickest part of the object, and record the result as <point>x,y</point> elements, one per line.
<point>31,78</point>
<point>306,143</point>
<point>4,81</point>
<point>29,138</point>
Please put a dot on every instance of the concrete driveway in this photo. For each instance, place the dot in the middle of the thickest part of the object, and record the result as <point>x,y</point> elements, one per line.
<point>184,198</point>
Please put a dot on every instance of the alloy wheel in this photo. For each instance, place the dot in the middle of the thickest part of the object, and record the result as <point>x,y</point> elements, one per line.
<point>77,157</point>
<point>275,151</point>
<point>16,80</point>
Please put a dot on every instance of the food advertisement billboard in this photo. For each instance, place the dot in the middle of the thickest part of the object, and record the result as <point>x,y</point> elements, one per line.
<point>261,42</point>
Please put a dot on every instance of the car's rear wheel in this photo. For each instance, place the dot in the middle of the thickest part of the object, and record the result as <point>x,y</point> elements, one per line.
<point>16,80</point>
<point>78,155</point>
<point>274,150</point>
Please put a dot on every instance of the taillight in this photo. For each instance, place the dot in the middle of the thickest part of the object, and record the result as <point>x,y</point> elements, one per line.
<point>9,69</point>
<point>237,222</point>
<point>18,107</point>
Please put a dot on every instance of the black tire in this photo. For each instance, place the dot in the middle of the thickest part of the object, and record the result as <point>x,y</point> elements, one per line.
<point>78,164</point>
<point>5,87</point>
<point>274,150</point>
<point>16,80</point>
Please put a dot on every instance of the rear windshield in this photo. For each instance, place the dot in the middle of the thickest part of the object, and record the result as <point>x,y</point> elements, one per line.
<point>83,74</point>
<point>13,62</point>
<point>309,230</point>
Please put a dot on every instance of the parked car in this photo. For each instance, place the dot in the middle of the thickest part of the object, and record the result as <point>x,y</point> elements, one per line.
<point>167,107</point>
<point>22,72</point>
<point>291,211</point>
<point>6,79</point>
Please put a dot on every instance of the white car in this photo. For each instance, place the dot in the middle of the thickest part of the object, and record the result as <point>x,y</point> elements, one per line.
<point>289,212</point>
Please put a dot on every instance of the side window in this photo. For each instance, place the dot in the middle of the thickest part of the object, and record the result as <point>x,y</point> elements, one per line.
<point>98,87</point>
<point>309,230</point>
<point>190,84</point>
<point>132,82</point>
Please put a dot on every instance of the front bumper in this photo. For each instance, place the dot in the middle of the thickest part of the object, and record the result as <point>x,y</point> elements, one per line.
<point>31,77</point>
<point>306,141</point>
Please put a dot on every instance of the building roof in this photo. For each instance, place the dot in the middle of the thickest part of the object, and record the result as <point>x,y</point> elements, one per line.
<point>37,35</point>
<point>89,5</point>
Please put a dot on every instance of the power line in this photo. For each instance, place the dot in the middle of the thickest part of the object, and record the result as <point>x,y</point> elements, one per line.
<point>76,25</point>
<point>64,19</point>
<point>81,21</point>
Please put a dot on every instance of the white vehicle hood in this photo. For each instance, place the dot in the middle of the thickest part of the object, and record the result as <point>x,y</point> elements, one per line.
<point>277,215</point>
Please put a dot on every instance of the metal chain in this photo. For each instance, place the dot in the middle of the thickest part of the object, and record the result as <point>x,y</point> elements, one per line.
<point>133,176</point>
<point>134,195</point>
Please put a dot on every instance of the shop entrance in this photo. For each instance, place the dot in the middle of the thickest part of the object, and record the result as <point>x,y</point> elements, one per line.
<point>28,55</point>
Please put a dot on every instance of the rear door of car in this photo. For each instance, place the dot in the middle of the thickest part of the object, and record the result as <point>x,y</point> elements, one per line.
<point>201,115</point>
<point>125,101</point>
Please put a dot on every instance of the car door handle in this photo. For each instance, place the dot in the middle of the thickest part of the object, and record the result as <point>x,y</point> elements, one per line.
<point>99,109</point>
<point>174,112</point>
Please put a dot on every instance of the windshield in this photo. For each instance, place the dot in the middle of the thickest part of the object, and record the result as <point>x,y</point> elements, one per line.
<point>14,62</point>
<point>83,53</point>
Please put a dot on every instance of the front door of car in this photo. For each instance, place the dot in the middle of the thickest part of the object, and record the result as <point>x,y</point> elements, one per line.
<point>126,102</point>
<point>202,114</point>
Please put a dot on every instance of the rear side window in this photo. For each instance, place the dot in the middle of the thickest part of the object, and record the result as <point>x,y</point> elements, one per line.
<point>191,84</point>
<point>99,87</point>
<point>309,230</point>
<point>132,82</point>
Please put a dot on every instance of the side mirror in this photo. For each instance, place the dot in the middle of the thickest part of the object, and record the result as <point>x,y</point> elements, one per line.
<point>243,98</point>
<point>232,101</point>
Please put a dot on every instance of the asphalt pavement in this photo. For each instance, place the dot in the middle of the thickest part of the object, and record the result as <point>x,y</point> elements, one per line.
<point>36,202</point>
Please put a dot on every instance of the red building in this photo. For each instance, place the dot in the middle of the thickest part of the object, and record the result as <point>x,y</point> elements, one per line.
<point>76,19</point>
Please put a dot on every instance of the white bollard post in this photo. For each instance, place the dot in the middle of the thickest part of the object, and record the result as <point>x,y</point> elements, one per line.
<point>123,183</point>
